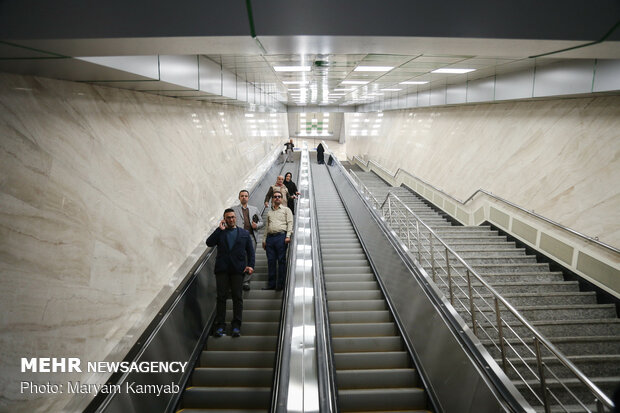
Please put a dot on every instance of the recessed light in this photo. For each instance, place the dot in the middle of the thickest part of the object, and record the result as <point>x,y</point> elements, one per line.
<point>373,68</point>
<point>413,82</point>
<point>291,68</point>
<point>355,82</point>
<point>452,70</point>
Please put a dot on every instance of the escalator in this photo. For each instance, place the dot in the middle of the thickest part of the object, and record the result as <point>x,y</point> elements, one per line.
<point>374,371</point>
<point>236,374</point>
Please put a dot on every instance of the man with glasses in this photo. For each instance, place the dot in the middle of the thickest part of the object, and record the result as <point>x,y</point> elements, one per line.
<point>249,219</point>
<point>276,239</point>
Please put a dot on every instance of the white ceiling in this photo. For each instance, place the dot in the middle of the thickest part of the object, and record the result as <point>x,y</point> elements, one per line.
<point>332,60</point>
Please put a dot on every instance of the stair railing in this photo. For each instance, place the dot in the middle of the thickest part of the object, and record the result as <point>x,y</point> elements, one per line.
<point>526,355</point>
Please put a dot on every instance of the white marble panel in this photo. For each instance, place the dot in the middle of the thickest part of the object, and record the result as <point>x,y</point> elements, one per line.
<point>104,193</point>
<point>559,157</point>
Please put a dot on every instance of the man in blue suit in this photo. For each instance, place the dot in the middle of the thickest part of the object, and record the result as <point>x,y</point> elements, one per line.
<point>235,257</point>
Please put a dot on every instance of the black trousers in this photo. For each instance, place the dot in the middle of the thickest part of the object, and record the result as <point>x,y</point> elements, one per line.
<point>226,282</point>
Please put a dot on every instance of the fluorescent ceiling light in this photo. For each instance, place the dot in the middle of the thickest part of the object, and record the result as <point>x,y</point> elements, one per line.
<point>295,82</point>
<point>355,82</point>
<point>249,115</point>
<point>391,90</point>
<point>452,70</point>
<point>295,90</point>
<point>343,90</point>
<point>291,68</point>
<point>373,68</point>
<point>413,82</point>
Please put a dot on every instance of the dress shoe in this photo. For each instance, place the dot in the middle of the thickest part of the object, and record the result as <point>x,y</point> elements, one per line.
<point>246,286</point>
<point>268,288</point>
<point>236,332</point>
<point>219,332</point>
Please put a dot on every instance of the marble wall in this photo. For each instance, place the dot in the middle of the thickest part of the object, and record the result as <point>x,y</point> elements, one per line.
<point>104,193</point>
<point>559,157</point>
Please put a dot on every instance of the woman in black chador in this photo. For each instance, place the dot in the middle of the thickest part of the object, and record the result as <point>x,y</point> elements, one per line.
<point>292,190</point>
<point>320,154</point>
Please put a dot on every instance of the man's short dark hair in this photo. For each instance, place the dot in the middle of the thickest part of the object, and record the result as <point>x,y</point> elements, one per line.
<point>244,190</point>
<point>227,210</point>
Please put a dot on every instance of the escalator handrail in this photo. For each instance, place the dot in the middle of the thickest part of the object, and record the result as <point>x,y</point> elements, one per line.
<point>282,363</point>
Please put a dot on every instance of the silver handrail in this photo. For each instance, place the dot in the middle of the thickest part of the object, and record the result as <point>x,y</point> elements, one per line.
<point>390,213</point>
<point>490,194</point>
<point>283,352</point>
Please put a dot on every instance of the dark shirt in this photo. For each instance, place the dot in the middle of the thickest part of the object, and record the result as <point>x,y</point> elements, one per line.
<point>231,237</point>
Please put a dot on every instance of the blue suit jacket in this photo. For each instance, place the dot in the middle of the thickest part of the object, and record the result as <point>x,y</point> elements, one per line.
<point>236,259</point>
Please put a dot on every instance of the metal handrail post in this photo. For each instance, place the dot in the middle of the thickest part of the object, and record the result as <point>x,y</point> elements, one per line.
<point>500,332</point>
<point>471,304</point>
<point>541,376</point>
<point>430,239</point>
<point>417,229</point>
<point>449,277</point>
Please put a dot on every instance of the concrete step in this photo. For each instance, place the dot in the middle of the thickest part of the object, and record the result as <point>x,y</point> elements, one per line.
<point>507,277</point>
<point>569,346</point>
<point>604,365</point>
<point>537,299</point>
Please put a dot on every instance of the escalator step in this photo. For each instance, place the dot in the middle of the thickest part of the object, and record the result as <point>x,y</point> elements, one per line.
<point>377,378</point>
<point>245,343</point>
<point>356,305</point>
<point>384,399</point>
<point>227,397</point>
<point>336,317</point>
<point>228,358</point>
<point>364,330</point>
<point>356,344</point>
<point>372,360</point>
<point>234,377</point>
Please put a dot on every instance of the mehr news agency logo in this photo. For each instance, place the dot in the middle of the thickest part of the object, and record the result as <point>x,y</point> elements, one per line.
<point>74,365</point>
